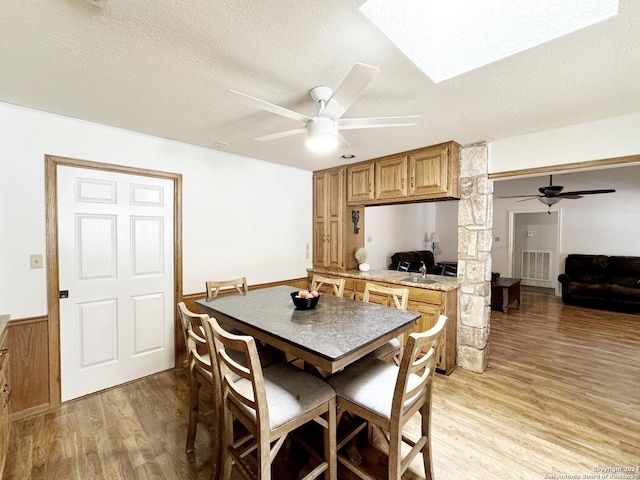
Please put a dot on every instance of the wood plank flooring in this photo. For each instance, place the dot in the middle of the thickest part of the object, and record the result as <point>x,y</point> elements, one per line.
<point>561,396</point>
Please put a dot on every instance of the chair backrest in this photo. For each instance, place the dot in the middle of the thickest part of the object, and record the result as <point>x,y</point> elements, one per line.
<point>413,386</point>
<point>213,288</point>
<point>338,284</point>
<point>198,348</point>
<point>250,405</point>
<point>390,297</point>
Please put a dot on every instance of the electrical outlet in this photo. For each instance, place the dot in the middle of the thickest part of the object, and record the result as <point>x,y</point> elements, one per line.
<point>368,239</point>
<point>529,233</point>
<point>35,260</point>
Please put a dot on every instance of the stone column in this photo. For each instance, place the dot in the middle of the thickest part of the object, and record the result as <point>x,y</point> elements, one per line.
<point>475,220</point>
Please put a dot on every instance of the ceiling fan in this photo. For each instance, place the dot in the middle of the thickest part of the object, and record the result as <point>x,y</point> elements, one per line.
<point>552,194</point>
<point>323,129</point>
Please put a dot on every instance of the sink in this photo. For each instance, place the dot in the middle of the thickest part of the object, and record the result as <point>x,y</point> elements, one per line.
<point>418,280</point>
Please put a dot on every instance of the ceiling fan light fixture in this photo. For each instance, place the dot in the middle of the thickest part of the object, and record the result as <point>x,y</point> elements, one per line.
<point>322,134</point>
<point>549,200</point>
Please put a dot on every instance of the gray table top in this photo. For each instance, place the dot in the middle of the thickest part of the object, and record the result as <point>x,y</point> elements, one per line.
<point>336,328</point>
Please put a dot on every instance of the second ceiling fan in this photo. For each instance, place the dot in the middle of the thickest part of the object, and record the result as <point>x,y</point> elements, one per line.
<point>323,129</point>
<point>552,194</point>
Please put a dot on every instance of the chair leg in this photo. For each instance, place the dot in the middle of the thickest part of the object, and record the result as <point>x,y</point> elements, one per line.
<point>194,401</point>
<point>227,442</point>
<point>426,450</point>
<point>395,454</point>
<point>330,448</point>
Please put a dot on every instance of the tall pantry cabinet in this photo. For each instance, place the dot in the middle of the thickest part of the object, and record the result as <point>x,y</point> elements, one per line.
<point>337,229</point>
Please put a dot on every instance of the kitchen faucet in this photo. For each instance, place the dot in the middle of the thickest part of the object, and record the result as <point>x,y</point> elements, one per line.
<point>423,270</point>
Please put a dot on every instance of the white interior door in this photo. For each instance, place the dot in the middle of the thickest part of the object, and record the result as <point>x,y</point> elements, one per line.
<point>115,241</point>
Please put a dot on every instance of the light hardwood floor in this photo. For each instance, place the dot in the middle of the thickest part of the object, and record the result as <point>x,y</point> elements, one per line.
<point>561,396</point>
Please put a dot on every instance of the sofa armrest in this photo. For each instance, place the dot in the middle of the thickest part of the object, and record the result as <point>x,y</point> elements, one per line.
<point>563,278</point>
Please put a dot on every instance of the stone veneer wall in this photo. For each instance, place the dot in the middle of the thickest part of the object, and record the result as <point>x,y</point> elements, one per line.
<point>475,221</point>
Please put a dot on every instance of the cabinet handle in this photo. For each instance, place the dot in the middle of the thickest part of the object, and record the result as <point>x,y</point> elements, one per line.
<point>412,182</point>
<point>402,183</point>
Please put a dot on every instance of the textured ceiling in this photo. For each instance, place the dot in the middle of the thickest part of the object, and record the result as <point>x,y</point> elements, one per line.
<point>162,68</point>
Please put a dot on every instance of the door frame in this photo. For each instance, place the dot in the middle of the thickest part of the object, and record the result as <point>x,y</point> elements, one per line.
<point>53,288</point>
<point>511,247</point>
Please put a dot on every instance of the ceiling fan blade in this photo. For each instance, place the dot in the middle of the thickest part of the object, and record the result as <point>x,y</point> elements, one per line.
<point>352,86</point>
<point>375,122</point>
<point>522,196</point>
<point>570,197</point>
<point>525,199</point>
<point>269,107</point>
<point>275,136</point>
<point>343,140</point>
<point>587,192</point>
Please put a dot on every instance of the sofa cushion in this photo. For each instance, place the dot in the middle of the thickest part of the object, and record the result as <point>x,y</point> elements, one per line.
<point>587,268</point>
<point>625,294</point>
<point>596,291</point>
<point>625,271</point>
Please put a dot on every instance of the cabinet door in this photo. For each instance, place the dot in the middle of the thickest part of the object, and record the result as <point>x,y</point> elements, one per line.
<point>328,207</point>
<point>335,209</point>
<point>320,221</point>
<point>429,172</point>
<point>360,182</point>
<point>428,317</point>
<point>391,177</point>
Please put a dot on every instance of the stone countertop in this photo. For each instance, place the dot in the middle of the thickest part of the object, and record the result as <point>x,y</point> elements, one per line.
<point>442,283</point>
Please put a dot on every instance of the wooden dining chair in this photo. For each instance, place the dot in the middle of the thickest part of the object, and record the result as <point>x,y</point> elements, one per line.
<point>387,396</point>
<point>270,403</point>
<point>390,297</point>
<point>317,281</point>
<point>214,287</point>
<point>203,373</point>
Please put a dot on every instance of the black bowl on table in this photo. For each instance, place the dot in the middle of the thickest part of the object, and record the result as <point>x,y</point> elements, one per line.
<point>304,303</point>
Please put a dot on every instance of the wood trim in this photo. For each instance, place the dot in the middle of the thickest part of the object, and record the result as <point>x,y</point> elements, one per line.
<point>26,321</point>
<point>28,366</point>
<point>51,211</point>
<point>591,164</point>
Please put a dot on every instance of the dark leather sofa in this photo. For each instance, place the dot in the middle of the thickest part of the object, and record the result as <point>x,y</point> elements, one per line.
<point>601,281</point>
<point>411,262</point>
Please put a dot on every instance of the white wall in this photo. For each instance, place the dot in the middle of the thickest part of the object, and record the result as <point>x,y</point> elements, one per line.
<point>447,228</point>
<point>240,216</point>
<point>396,228</point>
<point>607,224</point>
<point>607,138</point>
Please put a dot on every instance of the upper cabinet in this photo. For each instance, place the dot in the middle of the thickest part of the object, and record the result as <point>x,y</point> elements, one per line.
<point>425,174</point>
<point>391,177</point>
<point>360,182</point>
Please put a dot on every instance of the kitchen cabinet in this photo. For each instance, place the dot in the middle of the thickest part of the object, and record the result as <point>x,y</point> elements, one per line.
<point>425,174</point>
<point>432,173</point>
<point>337,230</point>
<point>5,396</point>
<point>429,303</point>
<point>391,177</point>
<point>360,182</point>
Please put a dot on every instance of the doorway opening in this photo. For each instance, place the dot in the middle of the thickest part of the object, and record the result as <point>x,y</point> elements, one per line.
<point>534,243</point>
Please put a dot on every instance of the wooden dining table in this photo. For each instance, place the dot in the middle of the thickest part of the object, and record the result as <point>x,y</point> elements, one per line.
<point>337,332</point>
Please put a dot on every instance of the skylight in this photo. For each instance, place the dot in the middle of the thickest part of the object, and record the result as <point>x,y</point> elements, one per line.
<point>446,38</point>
